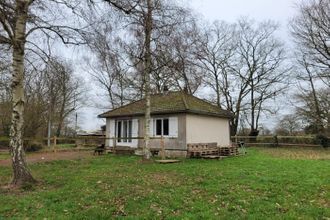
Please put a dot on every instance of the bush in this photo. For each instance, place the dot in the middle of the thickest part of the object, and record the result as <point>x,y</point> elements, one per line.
<point>33,147</point>
<point>323,140</point>
<point>66,141</point>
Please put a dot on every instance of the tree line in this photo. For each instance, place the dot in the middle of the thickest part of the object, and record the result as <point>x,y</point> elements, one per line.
<point>136,48</point>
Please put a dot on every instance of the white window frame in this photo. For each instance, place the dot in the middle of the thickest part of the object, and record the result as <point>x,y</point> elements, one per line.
<point>162,127</point>
<point>129,131</point>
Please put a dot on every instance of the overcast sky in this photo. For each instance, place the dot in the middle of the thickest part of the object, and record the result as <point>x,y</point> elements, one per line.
<point>229,10</point>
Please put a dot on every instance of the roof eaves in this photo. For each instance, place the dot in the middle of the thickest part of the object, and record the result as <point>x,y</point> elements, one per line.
<point>142,114</point>
<point>104,115</point>
<point>220,115</point>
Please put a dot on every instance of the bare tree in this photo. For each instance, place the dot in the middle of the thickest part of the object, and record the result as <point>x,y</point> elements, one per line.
<point>63,90</point>
<point>263,70</point>
<point>316,118</point>
<point>141,15</point>
<point>245,68</point>
<point>20,20</point>
<point>150,21</point>
<point>16,37</point>
<point>311,32</point>
<point>218,56</point>
<point>289,125</point>
<point>110,68</point>
<point>215,49</point>
<point>309,75</point>
<point>35,106</point>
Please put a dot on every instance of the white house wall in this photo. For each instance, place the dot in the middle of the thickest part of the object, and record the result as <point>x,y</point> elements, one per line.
<point>191,129</point>
<point>110,132</point>
<point>206,129</point>
<point>107,133</point>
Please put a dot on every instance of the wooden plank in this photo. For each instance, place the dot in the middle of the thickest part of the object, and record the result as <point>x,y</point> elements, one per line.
<point>211,157</point>
<point>167,161</point>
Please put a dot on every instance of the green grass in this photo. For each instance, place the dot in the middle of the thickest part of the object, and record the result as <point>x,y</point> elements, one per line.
<point>65,145</point>
<point>256,186</point>
<point>4,155</point>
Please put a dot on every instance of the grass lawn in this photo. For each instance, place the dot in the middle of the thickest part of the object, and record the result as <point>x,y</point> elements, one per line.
<point>65,146</point>
<point>257,186</point>
<point>4,155</point>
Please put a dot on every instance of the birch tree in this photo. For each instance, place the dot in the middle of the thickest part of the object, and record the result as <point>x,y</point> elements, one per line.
<point>141,11</point>
<point>149,22</point>
<point>16,37</point>
<point>19,20</point>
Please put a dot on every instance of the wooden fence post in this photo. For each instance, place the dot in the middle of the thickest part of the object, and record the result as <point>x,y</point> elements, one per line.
<point>276,141</point>
<point>114,145</point>
<point>54,145</point>
<point>162,144</point>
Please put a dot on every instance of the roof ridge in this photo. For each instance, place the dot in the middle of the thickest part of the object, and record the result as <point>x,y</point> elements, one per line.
<point>169,102</point>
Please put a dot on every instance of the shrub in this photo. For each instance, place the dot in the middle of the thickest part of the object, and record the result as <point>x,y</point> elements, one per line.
<point>323,140</point>
<point>4,143</point>
<point>33,146</point>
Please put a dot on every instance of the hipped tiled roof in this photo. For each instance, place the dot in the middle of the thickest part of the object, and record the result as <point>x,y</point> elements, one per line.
<point>169,103</point>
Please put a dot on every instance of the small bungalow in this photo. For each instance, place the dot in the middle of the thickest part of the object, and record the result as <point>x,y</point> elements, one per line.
<point>177,116</point>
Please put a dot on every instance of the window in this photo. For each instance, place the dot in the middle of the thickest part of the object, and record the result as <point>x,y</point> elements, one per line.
<point>161,126</point>
<point>124,131</point>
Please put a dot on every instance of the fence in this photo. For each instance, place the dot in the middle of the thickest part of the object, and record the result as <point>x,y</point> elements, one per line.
<point>278,141</point>
<point>92,141</point>
<point>57,143</point>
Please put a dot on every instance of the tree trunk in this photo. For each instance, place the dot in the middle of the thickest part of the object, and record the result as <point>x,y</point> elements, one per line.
<point>217,86</point>
<point>147,73</point>
<point>254,129</point>
<point>319,124</point>
<point>21,173</point>
<point>252,110</point>
<point>235,119</point>
<point>233,125</point>
<point>61,118</point>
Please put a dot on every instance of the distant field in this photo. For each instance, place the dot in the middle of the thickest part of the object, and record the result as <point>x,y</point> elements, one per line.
<point>266,183</point>
<point>312,153</point>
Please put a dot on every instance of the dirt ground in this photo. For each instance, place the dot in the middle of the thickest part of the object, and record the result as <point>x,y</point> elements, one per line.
<point>50,156</point>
